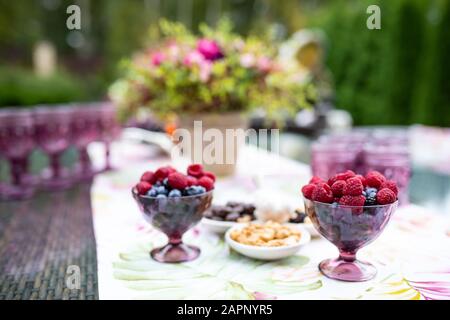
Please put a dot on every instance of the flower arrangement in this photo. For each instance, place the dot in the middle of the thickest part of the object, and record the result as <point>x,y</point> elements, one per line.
<point>214,73</point>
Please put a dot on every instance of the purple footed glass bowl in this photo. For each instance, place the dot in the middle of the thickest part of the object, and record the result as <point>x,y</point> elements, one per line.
<point>349,229</point>
<point>174,216</point>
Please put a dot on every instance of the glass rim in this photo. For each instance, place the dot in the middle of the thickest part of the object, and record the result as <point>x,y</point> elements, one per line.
<point>134,191</point>
<point>354,207</point>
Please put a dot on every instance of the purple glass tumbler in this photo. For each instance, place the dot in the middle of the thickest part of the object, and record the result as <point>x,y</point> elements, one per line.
<point>53,135</point>
<point>16,145</point>
<point>328,159</point>
<point>84,131</point>
<point>109,130</point>
<point>393,161</point>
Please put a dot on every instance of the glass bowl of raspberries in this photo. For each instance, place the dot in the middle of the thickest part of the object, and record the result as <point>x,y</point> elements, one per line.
<point>173,203</point>
<point>351,211</point>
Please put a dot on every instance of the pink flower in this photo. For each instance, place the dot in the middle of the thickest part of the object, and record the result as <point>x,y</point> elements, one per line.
<point>205,70</point>
<point>247,60</point>
<point>264,64</point>
<point>209,49</point>
<point>157,58</point>
<point>193,57</point>
<point>173,51</point>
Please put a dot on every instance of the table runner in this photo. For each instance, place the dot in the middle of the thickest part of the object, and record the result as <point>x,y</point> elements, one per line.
<point>411,256</point>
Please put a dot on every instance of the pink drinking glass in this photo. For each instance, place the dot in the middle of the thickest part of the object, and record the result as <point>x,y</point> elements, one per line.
<point>16,144</point>
<point>393,161</point>
<point>109,129</point>
<point>85,130</point>
<point>174,216</point>
<point>349,229</point>
<point>328,159</point>
<point>53,135</point>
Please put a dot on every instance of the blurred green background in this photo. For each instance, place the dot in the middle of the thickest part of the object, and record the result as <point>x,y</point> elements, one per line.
<point>397,75</point>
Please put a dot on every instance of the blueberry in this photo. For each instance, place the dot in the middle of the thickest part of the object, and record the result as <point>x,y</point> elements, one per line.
<point>189,191</point>
<point>370,201</point>
<point>371,190</point>
<point>152,192</point>
<point>175,193</point>
<point>159,196</point>
<point>165,182</point>
<point>194,190</point>
<point>364,193</point>
<point>200,189</point>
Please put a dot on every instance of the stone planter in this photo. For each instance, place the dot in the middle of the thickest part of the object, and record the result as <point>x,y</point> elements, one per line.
<point>209,142</point>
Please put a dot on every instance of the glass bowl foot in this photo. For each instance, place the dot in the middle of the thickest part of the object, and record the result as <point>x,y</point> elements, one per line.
<point>171,253</point>
<point>353,271</point>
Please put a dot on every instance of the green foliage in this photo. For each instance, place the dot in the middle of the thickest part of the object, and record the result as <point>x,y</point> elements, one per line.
<point>397,75</point>
<point>22,88</point>
<point>242,73</point>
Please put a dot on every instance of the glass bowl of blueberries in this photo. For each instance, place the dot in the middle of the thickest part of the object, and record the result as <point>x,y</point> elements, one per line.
<point>173,203</point>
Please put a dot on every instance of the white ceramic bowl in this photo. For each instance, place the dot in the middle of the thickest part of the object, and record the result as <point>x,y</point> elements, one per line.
<point>219,227</point>
<point>267,253</point>
<point>308,226</point>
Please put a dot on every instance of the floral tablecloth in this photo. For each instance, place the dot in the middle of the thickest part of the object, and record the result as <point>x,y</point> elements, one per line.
<point>412,255</point>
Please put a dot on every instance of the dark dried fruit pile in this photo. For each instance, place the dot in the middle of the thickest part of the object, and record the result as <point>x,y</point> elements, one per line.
<point>232,211</point>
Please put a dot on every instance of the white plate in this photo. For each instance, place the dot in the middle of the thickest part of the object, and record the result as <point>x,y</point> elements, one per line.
<point>267,253</point>
<point>219,227</point>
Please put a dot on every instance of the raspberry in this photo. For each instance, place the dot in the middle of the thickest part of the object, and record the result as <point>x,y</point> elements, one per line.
<point>386,196</point>
<point>191,181</point>
<point>195,170</point>
<point>143,187</point>
<point>171,169</point>
<point>354,187</point>
<point>148,176</point>
<point>375,179</point>
<point>161,174</point>
<point>332,180</point>
<point>357,201</point>
<point>307,190</point>
<point>209,175</point>
<point>177,180</point>
<point>206,183</point>
<point>390,184</point>
<point>315,180</point>
<point>363,180</point>
<point>341,176</point>
<point>323,193</point>
<point>338,188</point>
<point>345,175</point>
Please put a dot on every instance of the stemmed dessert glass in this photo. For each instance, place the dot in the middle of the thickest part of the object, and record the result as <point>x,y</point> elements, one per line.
<point>16,144</point>
<point>174,216</point>
<point>52,125</point>
<point>85,130</point>
<point>349,229</point>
